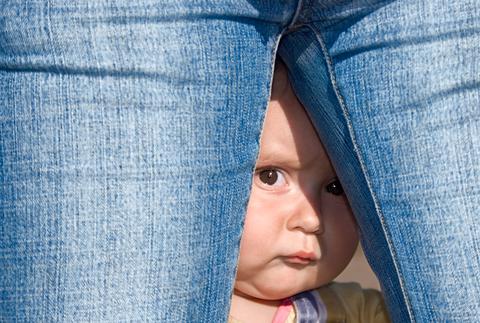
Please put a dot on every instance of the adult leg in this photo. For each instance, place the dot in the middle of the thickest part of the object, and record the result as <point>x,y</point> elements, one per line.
<point>128,137</point>
<point>393,87</point>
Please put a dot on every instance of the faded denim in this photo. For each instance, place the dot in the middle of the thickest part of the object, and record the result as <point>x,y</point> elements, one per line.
<point>129,132</point>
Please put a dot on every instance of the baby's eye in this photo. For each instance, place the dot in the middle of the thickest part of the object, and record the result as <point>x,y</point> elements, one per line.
<point>335,188</point>
<point>271,177</point>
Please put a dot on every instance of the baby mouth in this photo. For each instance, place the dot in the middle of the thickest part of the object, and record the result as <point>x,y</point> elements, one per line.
<point>300,258</point>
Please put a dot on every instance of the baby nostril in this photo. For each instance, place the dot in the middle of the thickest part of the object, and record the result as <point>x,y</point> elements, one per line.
<point>318,231</point>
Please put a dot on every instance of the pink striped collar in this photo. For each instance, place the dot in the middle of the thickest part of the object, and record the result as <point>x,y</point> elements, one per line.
<point>283,310</point>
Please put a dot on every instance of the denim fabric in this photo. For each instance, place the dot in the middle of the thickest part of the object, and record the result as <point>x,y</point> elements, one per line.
<point>393,88</point>
<point>128,136</point>
<point>129,132</point>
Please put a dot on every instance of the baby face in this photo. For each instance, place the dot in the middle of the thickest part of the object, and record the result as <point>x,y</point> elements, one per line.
<point>299,232</point>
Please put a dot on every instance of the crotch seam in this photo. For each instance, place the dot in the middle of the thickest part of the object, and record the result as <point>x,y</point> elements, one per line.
<point>295,15</point>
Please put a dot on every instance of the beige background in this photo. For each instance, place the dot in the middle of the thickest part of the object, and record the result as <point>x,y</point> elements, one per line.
<point>359,271</point>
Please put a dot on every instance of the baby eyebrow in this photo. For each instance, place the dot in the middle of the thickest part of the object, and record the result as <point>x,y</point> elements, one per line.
<point>274,158</point>
<point>286,162</point>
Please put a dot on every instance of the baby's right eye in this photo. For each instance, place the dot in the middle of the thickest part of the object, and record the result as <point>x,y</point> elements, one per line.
<point>271,177</point>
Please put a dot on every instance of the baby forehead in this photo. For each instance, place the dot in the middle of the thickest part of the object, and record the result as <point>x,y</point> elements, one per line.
<point>293,158</point>
<point>293,145</point>
<point>288,134</point>
<point>286,120</point>
<point>280,82</point>
<point>287,130</point>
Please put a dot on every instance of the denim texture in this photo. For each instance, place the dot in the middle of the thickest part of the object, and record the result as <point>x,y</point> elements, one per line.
<point>129,132</point>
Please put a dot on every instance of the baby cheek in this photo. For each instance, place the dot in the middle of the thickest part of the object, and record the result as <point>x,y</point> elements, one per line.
<point>263,224</point>
<point>262,219</point>
<point>255,237</point>
<point>349,240</point>
<point>340,236</point>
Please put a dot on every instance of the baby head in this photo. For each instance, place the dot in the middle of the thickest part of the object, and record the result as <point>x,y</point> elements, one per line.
<point>299,232</point>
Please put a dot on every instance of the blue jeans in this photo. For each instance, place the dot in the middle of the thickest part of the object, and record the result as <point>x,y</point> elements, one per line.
<point>129,132</point>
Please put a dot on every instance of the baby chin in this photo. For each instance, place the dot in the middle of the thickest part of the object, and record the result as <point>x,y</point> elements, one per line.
<point>282,284</point>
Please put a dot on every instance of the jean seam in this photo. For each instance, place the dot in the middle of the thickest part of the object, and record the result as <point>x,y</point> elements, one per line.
<point>296,14</point>
<point>356,150</point>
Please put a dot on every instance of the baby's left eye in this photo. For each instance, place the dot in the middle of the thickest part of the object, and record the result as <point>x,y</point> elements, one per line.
<point>335,188</point>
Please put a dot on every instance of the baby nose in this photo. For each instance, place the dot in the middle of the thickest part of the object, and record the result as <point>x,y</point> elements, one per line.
<point>306,217</point>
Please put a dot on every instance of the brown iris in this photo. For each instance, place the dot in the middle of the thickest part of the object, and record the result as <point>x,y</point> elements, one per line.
<point>269,176</point>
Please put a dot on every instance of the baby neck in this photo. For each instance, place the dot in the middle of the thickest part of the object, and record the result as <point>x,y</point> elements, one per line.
<point>244,308</point>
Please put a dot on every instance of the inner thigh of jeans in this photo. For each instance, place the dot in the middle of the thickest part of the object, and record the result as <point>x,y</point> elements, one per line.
<point>406,76</point>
